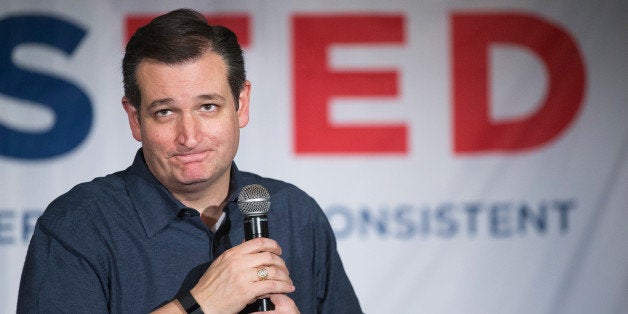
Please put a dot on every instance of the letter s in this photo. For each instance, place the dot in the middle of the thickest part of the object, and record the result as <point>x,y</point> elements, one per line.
<point>71,106</point>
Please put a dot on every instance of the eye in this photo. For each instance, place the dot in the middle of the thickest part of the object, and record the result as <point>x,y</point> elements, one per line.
<point>163,112</point>
<point>209,107</point>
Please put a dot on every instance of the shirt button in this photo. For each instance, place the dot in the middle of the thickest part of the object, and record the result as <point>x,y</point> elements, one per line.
<point>186,212</point>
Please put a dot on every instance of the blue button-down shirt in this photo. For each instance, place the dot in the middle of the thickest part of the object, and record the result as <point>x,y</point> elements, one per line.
<point>123,244</point>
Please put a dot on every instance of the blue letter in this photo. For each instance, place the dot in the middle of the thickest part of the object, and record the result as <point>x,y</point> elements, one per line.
<point>401,217</point>
<point>72,108</point>
<point>6,227</point>
<point>29,219</point>
<point>345,214</point>
<point>450,225</point>
<point>563,208</point>
<point>526,214</point>
<point>472,210</point>
<point>379,223</point>
<point>500,220</point>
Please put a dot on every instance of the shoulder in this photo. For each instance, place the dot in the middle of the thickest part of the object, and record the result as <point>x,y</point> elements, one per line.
<point>289,203</point>
<point>279,190</point>
<point>83,205</point>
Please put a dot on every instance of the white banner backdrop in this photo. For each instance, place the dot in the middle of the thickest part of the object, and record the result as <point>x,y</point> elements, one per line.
<point>472,157</point>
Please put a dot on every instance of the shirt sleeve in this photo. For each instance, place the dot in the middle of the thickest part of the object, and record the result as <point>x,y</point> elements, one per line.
<point>57,279</point>
<point>333,288</point>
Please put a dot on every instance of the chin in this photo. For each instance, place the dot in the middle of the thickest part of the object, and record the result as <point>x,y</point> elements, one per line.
<point>192,175</point>
<point>193,180</point>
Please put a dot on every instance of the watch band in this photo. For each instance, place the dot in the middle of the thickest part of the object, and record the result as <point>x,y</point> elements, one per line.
<point>189,303</point>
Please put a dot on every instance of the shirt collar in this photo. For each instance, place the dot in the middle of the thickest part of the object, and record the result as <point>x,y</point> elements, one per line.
<point>236,234</point>
<point>154,204</point>
<point>157,207</point>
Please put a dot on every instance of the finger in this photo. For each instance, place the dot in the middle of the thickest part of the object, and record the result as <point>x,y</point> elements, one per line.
<point>283,304</point>
<point>260,245</point>
<point>268,287</point>
<point>281,300</point>
<point>265,259</point>
<point>251,249</point>
<point>271,273</point>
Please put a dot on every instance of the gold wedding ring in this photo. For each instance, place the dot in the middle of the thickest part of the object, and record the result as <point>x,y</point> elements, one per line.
<point>262,273</point>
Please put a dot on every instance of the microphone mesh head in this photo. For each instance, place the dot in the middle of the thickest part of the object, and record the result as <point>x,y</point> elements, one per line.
<point>254,200</point>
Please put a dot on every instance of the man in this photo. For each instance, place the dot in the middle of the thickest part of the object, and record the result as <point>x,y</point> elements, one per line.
<point>165,235</point>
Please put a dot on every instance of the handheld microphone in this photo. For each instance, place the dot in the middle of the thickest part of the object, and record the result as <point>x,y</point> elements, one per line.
<point>254,203</point>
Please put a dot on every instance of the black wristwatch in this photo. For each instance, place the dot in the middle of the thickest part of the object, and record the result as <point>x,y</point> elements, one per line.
<point>189,303</point>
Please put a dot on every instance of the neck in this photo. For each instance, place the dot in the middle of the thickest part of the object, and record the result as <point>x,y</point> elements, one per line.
<point>209,201</point>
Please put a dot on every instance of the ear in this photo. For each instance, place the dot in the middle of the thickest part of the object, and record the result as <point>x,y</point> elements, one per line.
<point>243,100</point>
<point>134,117</point>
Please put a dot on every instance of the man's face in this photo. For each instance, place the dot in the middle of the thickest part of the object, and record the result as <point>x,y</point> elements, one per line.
<point>188,124</point>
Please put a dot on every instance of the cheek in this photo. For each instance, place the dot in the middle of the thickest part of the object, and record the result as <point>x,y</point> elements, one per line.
<point>218,132</point>
<point>230,133</point>
<point>155,137</point>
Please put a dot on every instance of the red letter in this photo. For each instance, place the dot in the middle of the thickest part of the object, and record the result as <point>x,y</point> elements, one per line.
<point>316,84</point>
<point>473,34</point>
<point>239,24</point>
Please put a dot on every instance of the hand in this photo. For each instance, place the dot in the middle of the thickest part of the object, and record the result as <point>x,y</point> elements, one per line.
<point>283,305</point>
<point>231,282</point>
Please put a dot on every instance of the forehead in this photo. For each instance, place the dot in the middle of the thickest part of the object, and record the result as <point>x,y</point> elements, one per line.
<point>206,74</point>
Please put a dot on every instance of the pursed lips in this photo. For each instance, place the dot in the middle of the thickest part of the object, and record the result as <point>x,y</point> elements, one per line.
<point>191,157</point>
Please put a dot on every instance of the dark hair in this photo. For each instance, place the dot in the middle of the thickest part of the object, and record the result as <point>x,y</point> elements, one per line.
<point>179,36</point>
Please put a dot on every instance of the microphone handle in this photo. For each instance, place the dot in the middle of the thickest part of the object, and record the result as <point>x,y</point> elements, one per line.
<point>257,227</point>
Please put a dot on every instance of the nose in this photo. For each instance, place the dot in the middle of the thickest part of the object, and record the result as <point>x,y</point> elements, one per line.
<point>188,131</point>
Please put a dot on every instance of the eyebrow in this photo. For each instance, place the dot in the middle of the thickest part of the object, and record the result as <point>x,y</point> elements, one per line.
<point>211,97</point>
<point>158,102</point>
<point>166,101</point>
